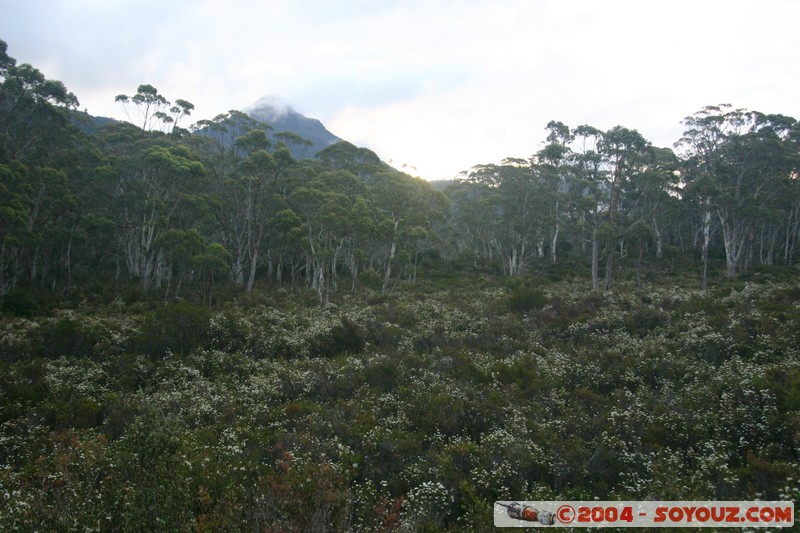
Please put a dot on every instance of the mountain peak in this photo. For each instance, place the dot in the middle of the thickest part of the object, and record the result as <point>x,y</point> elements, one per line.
<point>281,116</point>
<point>271,105</point>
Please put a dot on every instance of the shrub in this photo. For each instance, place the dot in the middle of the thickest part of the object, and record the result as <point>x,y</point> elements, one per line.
<point>17,339</point>
<point>383,335</point>
<point>642,321</point>
<point>67,335</point>
<point>19,303</point>
<point>383,375</point>
<point>23,384</point>
<point>77,413</point>
<point>228,331</point>
<point>526,299</point>
<point>344,337</point>
<point>178,327</point>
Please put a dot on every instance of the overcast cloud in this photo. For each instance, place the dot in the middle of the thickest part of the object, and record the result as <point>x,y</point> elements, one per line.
<point>437,85</point>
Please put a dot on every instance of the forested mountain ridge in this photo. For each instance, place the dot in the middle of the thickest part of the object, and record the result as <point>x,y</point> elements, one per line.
<point>88,123</point>
<point>282,117</point>
<point>304,137</point>
<point>154,204</point>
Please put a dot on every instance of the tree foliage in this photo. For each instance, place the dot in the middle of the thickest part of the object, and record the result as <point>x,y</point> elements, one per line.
<point>77,207</point>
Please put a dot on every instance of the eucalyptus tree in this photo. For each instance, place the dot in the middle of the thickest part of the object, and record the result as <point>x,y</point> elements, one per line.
<point>625,152</point>
<point>738,165</point>
<point>652,195</point>
<point>246,169</point>
<point>471,218</point>
<point>38,216</point>
<point>38,147</point>
<point>788,196</point>
<point>286,252</point>
<point>402,208</point>
<point>181,247</point>
<point>362,162</point>
<point>291,139</point>
<point>148,104</point>
<point>153,108</point>
<point>406,208</point>
<point>34,116</point>
<point>12,223</point>
<point>211,263</point>
<point>792,232</point>
<point>514,209</point>
<point>551,164</point>
<point>152,178</point>
<point>179,110</point>
<point>324,213</point>
<point>217,141</point>
<point>261,171</point>
<point>589,191</point>
<point>593,169</point>
<point>700,150</point>
<point>50,212</point>
<point>765,159</point>
<point>357,231</point>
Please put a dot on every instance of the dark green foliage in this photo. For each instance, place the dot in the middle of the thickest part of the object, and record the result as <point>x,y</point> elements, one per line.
<point>120,412</point>
<point>23,385</point>
<point>177,328</point>
<point>152,467</point>
<point>228,331</point>
<point>382,335</point>
<point>66,336</point>
<point>19,303</point>
<point>383,375</point>
<point>79,413</point>
<point>525,299</point>
<point>344,337</point>
<point>642,321</point>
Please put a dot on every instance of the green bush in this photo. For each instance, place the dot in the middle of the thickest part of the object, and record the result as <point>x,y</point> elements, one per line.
<point>525,299</point>
<point>383,375</point>
<point>77,413</point>
<point>344,337</point>
<point>69,336</point>
<point>228,331</point>
<point>382,335</point>
<point>178,328</point>
<point>23,383</point>
<point>19,303</point>
<point>642,321</point>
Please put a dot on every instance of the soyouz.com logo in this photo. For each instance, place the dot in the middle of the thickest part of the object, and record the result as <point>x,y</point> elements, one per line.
<point>643,514</point>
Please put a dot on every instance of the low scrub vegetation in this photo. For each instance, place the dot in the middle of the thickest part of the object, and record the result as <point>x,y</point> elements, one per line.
<point>411,410</point>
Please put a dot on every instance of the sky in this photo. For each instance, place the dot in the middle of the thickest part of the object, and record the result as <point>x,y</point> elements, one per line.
<point>433,87</point>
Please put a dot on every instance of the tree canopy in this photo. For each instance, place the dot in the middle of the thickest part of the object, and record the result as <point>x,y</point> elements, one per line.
<point>80,206</point>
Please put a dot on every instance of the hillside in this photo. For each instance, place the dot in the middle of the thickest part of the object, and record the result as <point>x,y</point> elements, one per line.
<point>88,123</point>
<point>282,117</point>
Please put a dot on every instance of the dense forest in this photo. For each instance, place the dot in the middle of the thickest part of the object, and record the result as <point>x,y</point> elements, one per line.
<point>166,208</point>
<point>201,332</point>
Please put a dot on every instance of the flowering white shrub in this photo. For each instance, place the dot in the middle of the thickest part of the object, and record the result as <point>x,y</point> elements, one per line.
<point>415,411</point>
<point>427,504</point>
